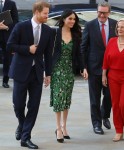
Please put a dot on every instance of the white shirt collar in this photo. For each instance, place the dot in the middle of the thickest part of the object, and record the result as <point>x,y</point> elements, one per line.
<point>34,24</point>
<point>106,23</point>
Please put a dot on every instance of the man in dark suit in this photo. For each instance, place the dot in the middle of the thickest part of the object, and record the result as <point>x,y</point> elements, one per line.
<point>31,42</point>
<point>4,35</point>
<point>95,37</point>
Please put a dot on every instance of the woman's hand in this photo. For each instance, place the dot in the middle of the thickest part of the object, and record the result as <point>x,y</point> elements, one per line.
<point>104,78</point>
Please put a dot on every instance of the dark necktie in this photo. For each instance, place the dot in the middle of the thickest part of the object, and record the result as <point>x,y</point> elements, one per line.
<point>36,35</point>
<point>103,34</point>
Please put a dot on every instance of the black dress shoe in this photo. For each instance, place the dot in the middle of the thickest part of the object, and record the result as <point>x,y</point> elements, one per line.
<point>5,85</point>
<point>28,144</point>
<point>18,133</point>
<point>59,140</point>
<point>106,123</point>
<point>98,130</point>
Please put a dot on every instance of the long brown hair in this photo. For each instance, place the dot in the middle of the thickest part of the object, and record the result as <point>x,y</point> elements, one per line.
<point>76,29</point>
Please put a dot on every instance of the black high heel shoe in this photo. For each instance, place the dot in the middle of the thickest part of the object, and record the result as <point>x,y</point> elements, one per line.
<point>67,137</point>
<point>59,140</point>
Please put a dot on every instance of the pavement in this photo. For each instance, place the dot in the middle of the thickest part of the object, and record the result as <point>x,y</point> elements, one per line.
<point>43,134</point>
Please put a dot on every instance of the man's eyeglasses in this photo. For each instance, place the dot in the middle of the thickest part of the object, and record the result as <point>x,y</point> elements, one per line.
<point>104,13</point>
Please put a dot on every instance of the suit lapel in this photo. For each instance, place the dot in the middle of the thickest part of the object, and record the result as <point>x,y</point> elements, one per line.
<point>42,37</point>
<point>42,34</point>
<point>98,33</point>
<point>111,28</point>
<point>29,31</point>
<point>59,37</point>
<point>5,5</point>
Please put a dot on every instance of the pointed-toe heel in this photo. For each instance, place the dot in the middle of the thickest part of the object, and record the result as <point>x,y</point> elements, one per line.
<point>67,137</point>
<point>59,140</point>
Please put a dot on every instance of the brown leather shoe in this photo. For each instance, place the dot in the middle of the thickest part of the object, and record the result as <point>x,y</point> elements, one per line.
<point>118,137</point>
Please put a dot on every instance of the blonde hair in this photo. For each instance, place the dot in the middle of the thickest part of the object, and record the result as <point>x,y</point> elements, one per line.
<point>39,5</point>
<point>122,19</point>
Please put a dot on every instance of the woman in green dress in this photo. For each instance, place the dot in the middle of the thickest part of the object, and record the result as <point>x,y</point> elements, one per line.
<point>65,56</point>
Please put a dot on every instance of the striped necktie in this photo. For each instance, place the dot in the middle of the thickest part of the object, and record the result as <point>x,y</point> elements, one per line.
<point>36,35</point>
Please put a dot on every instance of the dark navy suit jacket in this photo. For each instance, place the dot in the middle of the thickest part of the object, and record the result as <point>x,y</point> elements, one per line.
<point>19,42</point>
<point>93,47</point>
<point>76,51</point>
<point>9,5</point>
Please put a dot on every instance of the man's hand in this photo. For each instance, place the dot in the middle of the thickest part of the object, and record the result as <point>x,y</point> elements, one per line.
<point>85,74</point>
<point>33,49</point>
<point>3,26</point>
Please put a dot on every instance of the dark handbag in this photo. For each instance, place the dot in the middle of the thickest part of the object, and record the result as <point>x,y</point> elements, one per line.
<point>6,17</point>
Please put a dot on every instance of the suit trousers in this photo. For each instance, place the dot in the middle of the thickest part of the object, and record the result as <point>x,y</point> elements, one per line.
<point>116,83</point>
<point>6,63</point>
<point>98,111</point>
<point>33,89</point>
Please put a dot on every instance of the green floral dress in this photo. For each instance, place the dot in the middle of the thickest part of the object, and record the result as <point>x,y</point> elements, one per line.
<point>62,80</point>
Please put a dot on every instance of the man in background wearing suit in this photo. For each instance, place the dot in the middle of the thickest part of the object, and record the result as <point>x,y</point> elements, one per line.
<point>95,37</point>
<point>31,42</point>
<point>4,35</point>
